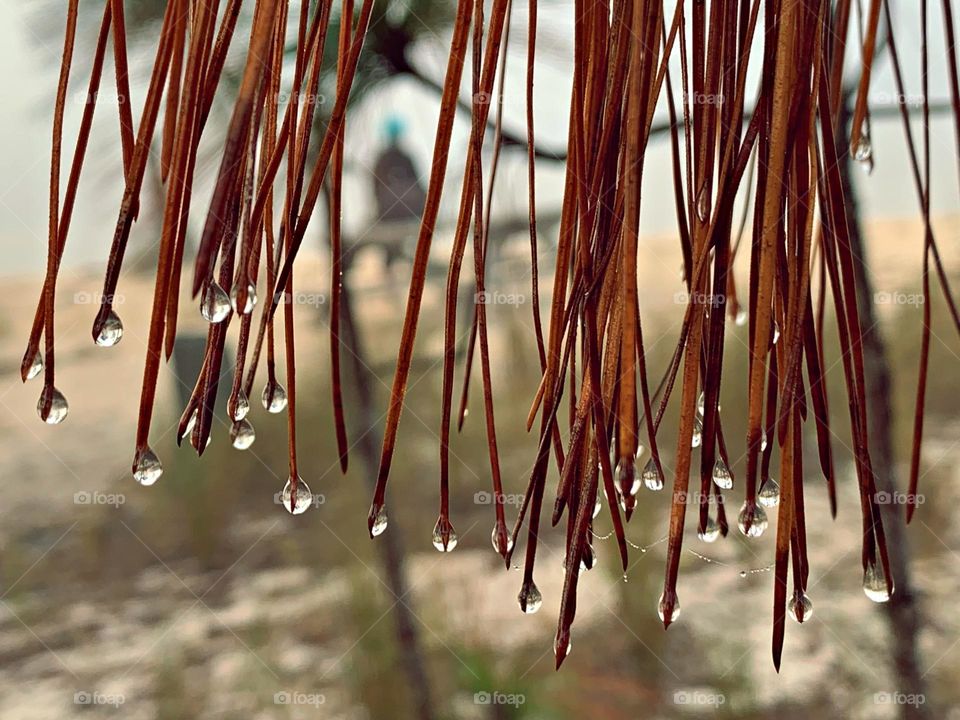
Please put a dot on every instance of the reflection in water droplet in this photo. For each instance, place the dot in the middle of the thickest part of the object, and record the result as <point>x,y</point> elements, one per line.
<point>711,532</point>
<point>36,366</point>
<point>627,480</point>
<point>763,440</point>
<point>721,475</point>
<point>662,609</point>
<point>241,407</point>
<point>697,433</point>
<point>508,538</point>
<point>597,506</point>
<point>752,520</point>
<point>769,495</point>
<point>800,607</point>
<point>776,332</point>
<point>875,583</point>
<point>111,331</point>
<point>147,468</point>
<point>191,422</point>
<point>249,302</point>
<point>58,407</point>
<point>215,305</point>
<point>652,477</point>
<point>242,434</point>
<point>274,398</point>
<point>530,598</point>
<point>302,501</point>
<point>703,204</point>
<point>379,522</point>
<point>437,538</point>
<point>863,152</point>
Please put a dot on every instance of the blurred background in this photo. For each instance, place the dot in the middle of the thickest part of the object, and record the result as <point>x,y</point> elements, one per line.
<point>201,598</point>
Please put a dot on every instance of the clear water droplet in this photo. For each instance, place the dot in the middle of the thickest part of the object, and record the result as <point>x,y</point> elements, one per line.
<point>752,520</point>
<point>379,522</point>
<point>702,404</point>
<point>438,533</point>
<point>662,609</point>
<point>58,407</point>
<point>274,398</point>
<point>249,302</point>
<point>302,501</point>
<point>875,583</point>
<point>193,441</point>
<point>530,598</point>
<point>800,607</point>
<point>191,423</point>
<point>241,407</point>
<point>597,506</point>
<point>703,204</point>
<point>697,438</point>
<point>776,332</point>
<point>711,532</point>
<point>721,475</point>
<point>769,495</point>
<point>111,331</point>
<point>36,366</point>
<point>741,318</point>
<point>493,540</point>
<point>863,152</point>
<point>147,468</point>
<point>652,477</point>
<point>763,440</point>
<point>627,481</point>
<point>242,434</point>
<point>743,573</point>
<point>215,305</point>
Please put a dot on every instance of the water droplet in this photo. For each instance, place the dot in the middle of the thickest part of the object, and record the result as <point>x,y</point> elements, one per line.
<point>530,598</point>
<point>303,500</point>
<point>697,433</point>
<point>752,520</point>
<point>191,423</point>
<point>496,546</point>
<point>241,408</point>
<point>556,646</point>
<point>702,404</point>
<point>147,468</point>
<point>627,481</point>
<point>800,607</point>
<point>215,305</point>
<point>711,532</point>
<point>242,434</point>
<point>597,506</point>
<point>875,583</point>
<point>763,440</point>
<point>743,573</point>
<point>769,495</point>
<point>274,397</point>
<point>111,331</point>
<point>863,152</point>
<point>438,540</point>
<point>193,441</point>
<point>58,407</point>
<point>703,204</point>
<point>662,608</point>
<point>36,366</point>
<point>652,477</point>
<point>776,332</point>
<point>379,522</point>
<point>249,302</point>
<point>741,318</point>
<point>721,475</point>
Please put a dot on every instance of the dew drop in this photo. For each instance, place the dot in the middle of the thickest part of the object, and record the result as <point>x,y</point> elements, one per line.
<point>627,481</point>
<point>36,367</point>
<point>769,495</point>
<point>303,500</point>
<point>702,404</point>
<point>241,407</point>
<point>703,204</point>
<point>776,332</point>
<point>721,475</point>
<point>242,434</point>
<point>58,407</point>
<point>662,609</point>
<point>147,468</point>
<point>379,522</point>
<point>530,598</point>
<point>652,477</point>
<point>711,532</point>
<point>496,545</point>
<point>215,305</point>
<point>863,152</point>
<point>274,397</point>
<point>191,423</point>
<point>741,318</point>
<point>743,573</point>
<point>800,607</point>
<point>556,646</point>
<point>697,433</point>
<point>763,440</point>
<point>249,302</point>
<point>597,506</point>
<point>111,331</point>
<point>437,538</point>
<point>752,520</point>
<point>875,583</point>
<point>193,441</point>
